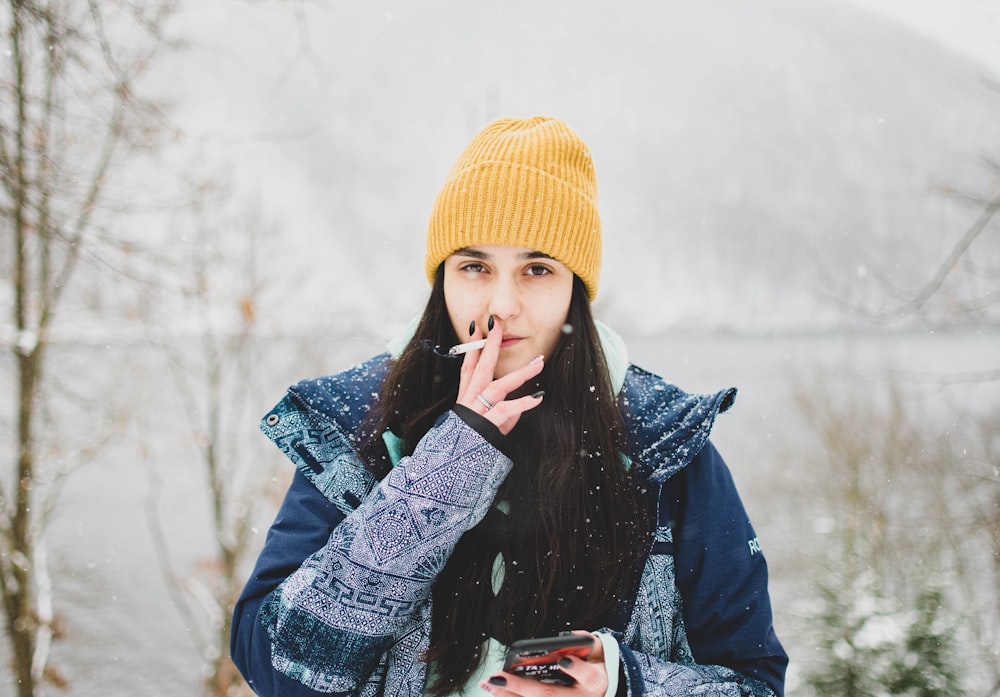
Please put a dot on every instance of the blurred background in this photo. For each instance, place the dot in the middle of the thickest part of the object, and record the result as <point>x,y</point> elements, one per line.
<point>202,203</point>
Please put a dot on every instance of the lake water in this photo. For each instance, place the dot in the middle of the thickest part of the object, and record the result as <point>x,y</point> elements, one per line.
<point>123,635</point>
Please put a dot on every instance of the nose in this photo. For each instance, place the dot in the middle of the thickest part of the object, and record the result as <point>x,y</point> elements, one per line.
<point>505,301</point>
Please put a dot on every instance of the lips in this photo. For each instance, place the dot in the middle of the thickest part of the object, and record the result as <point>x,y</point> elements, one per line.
<point>509,341</point>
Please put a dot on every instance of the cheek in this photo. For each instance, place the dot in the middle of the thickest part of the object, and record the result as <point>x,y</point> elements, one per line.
<point>461,309</point>
<point>555,320</point>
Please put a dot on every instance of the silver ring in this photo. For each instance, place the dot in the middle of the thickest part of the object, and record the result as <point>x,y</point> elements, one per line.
<point>486,403</point>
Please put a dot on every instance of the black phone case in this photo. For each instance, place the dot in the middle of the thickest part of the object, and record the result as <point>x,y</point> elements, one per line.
<point>538,659</point>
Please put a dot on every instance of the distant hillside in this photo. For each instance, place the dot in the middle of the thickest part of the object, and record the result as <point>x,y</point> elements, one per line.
<point>745,151</point>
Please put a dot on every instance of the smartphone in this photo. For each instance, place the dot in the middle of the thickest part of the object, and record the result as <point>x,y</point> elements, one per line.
<point>538,659</point>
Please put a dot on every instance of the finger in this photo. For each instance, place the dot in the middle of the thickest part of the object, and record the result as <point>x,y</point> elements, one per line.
<point>508,413</point>
<point>500,411</point>
<point>592,678</point>
<point>507,685</point>
<point>478,366</point>
<point>488,356</point>
<point>469,362</point>
<point>498,686</point>
<point>477,374</point>
<point>514,379</point>
<point>597,653</point>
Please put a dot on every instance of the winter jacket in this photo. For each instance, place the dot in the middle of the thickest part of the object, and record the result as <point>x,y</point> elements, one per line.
<point>340,598</point>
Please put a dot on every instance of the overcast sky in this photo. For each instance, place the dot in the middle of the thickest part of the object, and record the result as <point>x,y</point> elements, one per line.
<point>970,27</point>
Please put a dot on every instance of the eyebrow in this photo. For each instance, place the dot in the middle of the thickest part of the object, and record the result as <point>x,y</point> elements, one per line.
<point>476,254</point>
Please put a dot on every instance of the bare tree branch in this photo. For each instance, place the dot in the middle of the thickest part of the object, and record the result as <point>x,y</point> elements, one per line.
<point>957,252</point>
<point>53,191</point>
<point>920,299</point>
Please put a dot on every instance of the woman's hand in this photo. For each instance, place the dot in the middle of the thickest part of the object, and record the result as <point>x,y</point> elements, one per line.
<point>478,391</point>
<point>591,679</point>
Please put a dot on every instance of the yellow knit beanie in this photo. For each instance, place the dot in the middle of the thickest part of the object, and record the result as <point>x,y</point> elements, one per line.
<point>525,183</point>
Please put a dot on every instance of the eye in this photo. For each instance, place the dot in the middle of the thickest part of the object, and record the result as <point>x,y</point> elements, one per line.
<point>472,267</point>
<point>537,270</point>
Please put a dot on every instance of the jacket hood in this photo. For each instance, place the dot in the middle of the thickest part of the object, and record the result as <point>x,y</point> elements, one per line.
<point>665,426</point>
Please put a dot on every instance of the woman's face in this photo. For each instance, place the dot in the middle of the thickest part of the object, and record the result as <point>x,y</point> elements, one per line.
<point>527,293</point>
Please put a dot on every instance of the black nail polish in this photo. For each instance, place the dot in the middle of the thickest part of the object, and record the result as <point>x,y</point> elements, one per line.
<point>498,680</point>
<point>539,395</point>
<point>489,325</point>
<point>565,662</point>
<point>472,327</point>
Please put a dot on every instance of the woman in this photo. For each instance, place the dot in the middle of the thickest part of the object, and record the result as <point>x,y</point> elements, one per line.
<point>444,506</point>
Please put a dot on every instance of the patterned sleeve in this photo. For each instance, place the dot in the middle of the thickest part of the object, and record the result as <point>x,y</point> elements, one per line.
<point>647,676</point>
<point>368,588</point>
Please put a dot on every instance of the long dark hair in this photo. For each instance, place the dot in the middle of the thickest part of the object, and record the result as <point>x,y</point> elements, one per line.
<point>571,523</point>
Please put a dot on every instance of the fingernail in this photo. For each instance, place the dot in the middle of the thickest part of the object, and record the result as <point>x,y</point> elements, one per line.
<point>539,394</point>
<point>472,327</point>
<point>565,632</point>
<point>536,360</point>
<point>498,680</point>
<point>489,325</point>
<point>565,663</point>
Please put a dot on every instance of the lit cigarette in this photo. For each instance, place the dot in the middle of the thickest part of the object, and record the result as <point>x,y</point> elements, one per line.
<point>470,346</point>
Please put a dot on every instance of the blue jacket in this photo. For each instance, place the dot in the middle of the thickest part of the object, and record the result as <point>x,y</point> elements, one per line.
<point>339,600</point>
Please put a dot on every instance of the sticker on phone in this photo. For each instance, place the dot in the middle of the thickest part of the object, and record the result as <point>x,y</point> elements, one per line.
<point>538,659</point>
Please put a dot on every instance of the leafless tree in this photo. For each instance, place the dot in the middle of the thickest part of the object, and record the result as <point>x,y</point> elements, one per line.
<point>72,120</point>
<point>964,286</point>
<point>915,495</point>
<point>214,358</point>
